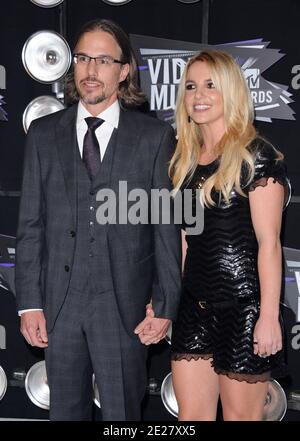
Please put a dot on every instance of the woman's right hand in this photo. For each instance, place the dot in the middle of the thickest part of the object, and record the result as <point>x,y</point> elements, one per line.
<point>267,338</point>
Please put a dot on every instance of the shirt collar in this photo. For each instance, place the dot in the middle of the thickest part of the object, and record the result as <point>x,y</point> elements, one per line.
<point>110,115</point>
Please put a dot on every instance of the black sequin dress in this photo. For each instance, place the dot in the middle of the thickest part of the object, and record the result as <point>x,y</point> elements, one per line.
<point>221,272</point>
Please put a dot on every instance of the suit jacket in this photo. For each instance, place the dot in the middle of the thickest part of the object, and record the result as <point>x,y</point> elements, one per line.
<point>145,259</point>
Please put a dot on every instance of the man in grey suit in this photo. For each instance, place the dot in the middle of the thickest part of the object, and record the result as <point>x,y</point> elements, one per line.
<point>82,287</point>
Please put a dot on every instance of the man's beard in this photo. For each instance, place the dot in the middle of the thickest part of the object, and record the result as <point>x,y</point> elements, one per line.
<point>93,99</point>
<point>88,99</point>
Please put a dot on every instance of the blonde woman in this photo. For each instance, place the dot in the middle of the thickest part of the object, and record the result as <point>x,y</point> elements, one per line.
<point>228,336</point>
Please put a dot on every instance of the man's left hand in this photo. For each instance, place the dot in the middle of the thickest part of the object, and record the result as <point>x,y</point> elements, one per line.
<point>152,329</point>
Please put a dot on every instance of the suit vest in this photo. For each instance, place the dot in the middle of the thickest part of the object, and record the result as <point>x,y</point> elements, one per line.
<point>91,265</point>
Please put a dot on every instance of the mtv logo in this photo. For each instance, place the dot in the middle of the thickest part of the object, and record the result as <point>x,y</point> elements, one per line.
<point>252,77</point>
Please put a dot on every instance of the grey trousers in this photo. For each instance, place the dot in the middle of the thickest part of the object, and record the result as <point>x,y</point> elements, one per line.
<point>89,337</point>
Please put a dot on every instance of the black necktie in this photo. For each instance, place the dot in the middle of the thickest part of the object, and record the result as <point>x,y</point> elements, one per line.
<point>91,151</point>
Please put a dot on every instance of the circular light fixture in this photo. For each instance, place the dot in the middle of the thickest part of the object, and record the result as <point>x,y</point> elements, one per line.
<point>116,2</point>
<point>3,383</point>
<point>36,385</point>
<point>168,396</point>
<point>276,402</point>
<point>169,334</point>
<point>47,3</point>
<point>188,1</point>
<point>289,196</point>
<point>40,106</point>
<point>96,393</point>
<point>274,409</point>
<point>46,56</point>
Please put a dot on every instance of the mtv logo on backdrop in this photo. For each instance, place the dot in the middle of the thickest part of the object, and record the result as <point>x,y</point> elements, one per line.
<point>252,77</point>
<point>161,62</point>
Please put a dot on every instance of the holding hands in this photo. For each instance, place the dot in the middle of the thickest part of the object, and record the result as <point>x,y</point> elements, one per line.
<point>152,329</point>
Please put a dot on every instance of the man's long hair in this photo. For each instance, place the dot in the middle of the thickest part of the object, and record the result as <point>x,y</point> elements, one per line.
<point>130,95</point>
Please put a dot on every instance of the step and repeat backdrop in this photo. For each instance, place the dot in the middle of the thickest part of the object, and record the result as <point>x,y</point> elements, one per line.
<point>35,54</point>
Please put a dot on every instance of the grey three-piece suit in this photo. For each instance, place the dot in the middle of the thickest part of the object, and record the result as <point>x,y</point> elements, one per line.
<point>93,281</point>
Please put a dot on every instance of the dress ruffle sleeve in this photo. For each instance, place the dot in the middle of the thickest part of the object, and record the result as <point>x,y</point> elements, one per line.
<point>268,166</point>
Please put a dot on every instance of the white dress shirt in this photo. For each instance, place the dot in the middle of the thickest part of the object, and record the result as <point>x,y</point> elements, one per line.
<point>103,133</point>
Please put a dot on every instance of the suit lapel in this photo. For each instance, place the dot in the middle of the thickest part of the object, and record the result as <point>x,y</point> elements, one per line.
<point>67,149</point>
<point>120,151</point>
<point>125,146</point>
<point>124,143</point>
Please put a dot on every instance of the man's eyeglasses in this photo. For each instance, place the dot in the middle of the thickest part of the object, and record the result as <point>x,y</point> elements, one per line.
<point>102,60</point>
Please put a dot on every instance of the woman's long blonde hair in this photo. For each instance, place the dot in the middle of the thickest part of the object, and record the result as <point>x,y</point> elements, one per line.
<point>239,130</point>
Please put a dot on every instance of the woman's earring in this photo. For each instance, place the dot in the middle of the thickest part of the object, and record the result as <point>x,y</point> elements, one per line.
<point>189,119</point>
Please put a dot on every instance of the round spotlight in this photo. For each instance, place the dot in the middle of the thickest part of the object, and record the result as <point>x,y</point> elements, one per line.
<point>289,196</point>
<point>168,396</point>
<point>36,385</point>
<point>47,3</point>
<point>274,409</point>
<point>276,402</point>
<point>189,1</point>
<point>46,56</point>
<point>116,2</point>
<point>3,383</point>
<point>41,106</point>
<point>96,393</point>
<point>169,334</point>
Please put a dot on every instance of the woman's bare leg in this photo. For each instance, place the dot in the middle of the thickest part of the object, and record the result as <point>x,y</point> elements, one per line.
<point>196,387</point>
<point>242,401</point>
